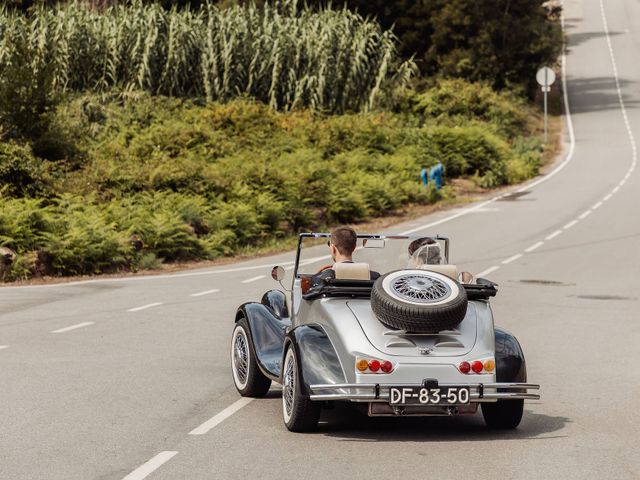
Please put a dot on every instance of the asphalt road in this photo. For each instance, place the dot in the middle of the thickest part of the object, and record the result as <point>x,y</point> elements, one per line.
<point>99,378</point>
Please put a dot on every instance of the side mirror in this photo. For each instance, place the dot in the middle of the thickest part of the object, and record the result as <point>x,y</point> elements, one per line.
<point>465,277</point>
<point>277,273</point>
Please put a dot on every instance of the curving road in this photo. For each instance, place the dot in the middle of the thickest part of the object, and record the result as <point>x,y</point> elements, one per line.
<point>125,378</point>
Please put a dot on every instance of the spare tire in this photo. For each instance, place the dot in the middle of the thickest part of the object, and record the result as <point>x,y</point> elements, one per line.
<point>418,301</point>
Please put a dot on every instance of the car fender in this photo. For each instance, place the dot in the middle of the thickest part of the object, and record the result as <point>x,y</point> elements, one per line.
<point>267,332</point>
<point>276,300</point>
<point>318,362</point>
<point>510,362</point>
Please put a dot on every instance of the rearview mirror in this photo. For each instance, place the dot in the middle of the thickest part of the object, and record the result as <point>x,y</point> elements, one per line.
<point>277,273</point>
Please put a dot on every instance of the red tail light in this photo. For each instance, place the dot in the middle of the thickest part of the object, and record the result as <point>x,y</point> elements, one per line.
<point>373,365</point>
<point>464,367</point>
<point>387,366</point>
<point>486,365</point>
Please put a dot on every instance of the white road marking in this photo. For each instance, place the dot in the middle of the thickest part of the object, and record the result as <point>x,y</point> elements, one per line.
<point>153,277</point>
<point>622,182</point>
<point>144,470</point>
<point>488,271</point>
<point>254,279</point>
<point>488,210</point>
<point>585,214</point>
<point>144,307</point>
<point>533,247</point>
<point>607,197</point>
<point>623,109</point>
<point>206,292</point>
<point>2,347</point>
<point>615,190</point>
<point>512,259</point>
<point>221,417</point>
<point>570,224</point>
<point>597,206</point>
<point>553,235</point>
<point>73,327</point>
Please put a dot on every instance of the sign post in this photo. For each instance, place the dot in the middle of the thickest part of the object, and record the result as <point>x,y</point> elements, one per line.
<point>545,78</point>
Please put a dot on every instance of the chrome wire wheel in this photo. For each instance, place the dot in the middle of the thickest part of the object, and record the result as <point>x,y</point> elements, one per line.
<point>289,385</point>
<point>240,357</point>
<point>421,288</point>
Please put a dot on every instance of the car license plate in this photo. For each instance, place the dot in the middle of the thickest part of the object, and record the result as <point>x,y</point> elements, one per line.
<point>428,396</point>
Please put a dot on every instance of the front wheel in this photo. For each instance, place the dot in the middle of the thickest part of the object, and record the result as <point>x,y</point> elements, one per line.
<point>503,414</point>
<point>300,413</point>
<point>249,380</point>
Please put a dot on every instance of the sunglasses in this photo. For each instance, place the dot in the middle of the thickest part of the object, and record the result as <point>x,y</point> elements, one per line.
<point>328,243</point>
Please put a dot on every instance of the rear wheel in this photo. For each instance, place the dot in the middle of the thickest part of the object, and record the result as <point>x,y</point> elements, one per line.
<point>503,414</point>
<point>300,413</point>
<point>248,378</point>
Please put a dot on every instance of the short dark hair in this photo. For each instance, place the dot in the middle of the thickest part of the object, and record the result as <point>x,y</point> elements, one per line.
<point>344,238</point>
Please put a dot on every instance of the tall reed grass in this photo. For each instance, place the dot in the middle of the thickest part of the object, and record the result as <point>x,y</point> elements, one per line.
<point>283,54</point>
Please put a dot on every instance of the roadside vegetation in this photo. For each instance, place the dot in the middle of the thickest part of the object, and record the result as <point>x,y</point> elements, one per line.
<point>136,135</point>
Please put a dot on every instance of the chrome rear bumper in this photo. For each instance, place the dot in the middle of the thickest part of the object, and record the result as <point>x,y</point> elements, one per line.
<point>375,392</point>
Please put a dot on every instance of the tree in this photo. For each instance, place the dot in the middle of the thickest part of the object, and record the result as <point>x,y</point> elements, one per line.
<point>500,41</point>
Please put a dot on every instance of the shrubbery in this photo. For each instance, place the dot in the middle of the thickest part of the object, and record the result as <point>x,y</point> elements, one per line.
<point>158,179</point>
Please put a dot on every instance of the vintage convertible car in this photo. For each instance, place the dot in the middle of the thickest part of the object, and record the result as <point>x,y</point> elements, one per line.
<point>419,340</point>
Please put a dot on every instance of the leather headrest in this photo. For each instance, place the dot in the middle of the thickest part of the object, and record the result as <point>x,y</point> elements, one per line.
<point>352,271</point>
<point>448,270</point>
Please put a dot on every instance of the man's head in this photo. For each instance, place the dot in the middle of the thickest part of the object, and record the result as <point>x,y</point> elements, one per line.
<point>343,243</point>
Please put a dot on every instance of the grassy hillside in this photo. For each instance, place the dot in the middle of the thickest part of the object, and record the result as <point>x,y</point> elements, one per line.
<point>125,182</point>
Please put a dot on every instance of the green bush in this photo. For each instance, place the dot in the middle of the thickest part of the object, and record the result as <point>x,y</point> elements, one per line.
<point>457,102</point>
<point>21,174</point>
<point>160,179</point>
<point>23,222</point>
<point>82,240</point>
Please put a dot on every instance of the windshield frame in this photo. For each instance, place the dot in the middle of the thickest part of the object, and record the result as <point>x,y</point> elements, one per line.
<point>302,236</point>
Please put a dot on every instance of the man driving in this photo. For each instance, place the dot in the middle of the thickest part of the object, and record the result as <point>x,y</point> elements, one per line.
<point>341,245</point>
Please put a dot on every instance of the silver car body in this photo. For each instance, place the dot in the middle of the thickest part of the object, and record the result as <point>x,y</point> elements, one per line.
<point>418,359</point>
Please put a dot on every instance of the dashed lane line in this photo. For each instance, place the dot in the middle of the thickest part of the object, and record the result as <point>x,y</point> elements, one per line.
<point>512,259</point>
<point>221,417</point>
<point>2,347</point>
<point>488,271</point>
<point>597,205</point>
<point>144,470</point>
<point>584,215</point>
<point>553,235</point>
<point>254,279</point>
<point>570,224</point>
<point>73,327</point>
<point>144,307</point>
<point>206,292</point>
<point>533,247</point>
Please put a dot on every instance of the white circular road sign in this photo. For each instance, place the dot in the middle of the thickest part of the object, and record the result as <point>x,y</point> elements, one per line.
<point>546,77</point>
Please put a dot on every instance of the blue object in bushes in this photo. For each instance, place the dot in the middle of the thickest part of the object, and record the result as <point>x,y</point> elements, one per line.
<point>435,174</point>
